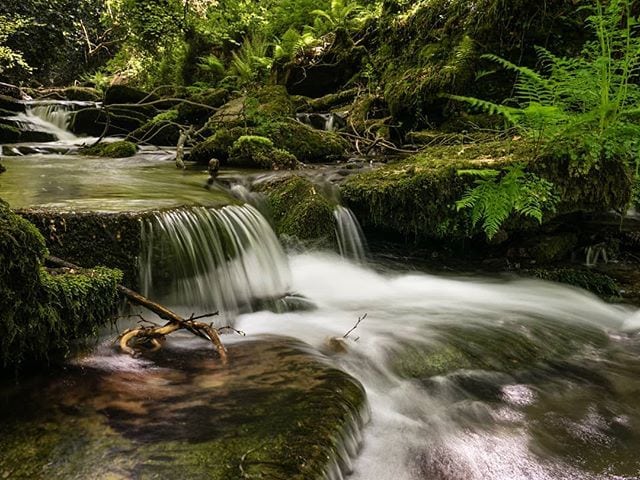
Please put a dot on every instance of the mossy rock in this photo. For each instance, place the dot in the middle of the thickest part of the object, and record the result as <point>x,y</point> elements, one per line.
<point>307,144</point>
<point>510,346</point>
<point>551,248</point>
<point>331,101</point>
<point>124,94</point>
<point>82,94</point>
<point>369,114</point>
<point>288,415</point>
<point>11,105</point>
<point>217,145</point>
<point>41,314</point>
<point>91,239</point>
<point>423,49</point>
<point>595,282</point>
<point>259,152</point>
<point>119,149</point>
<point>198,115</point>
<point>92,121</point>
<point>9,134</point>
<point>300,210</point>
<point>161,130</point>
<point>416,198</point>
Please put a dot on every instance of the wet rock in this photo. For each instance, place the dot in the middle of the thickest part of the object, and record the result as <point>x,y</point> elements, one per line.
<point>199,114</point>
<point>119,149</point>
<point>124,94</point>
<point>11,104</point>
<point>9,134</point>
<point>300,210</point>
<point>274,412</point>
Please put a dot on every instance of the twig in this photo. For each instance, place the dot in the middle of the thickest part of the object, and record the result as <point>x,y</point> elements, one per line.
<point>355,326</point>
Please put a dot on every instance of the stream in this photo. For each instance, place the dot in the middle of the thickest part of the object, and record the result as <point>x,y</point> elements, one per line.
<point>466,377</point>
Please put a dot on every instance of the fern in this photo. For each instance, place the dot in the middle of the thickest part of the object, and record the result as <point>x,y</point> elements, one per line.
<point>584,107</point>
<point>497,194</point>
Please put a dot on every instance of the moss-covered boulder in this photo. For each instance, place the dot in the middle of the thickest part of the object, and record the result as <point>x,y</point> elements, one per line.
<point>422,49</point>
<point>90,239</point>
<point>124,94</point>
<point>217,145</point>
<point>307,144</point>
<point>119,149</point>
<point>415,198</point>
<point>161,130</point>
<point>43,313</point>
<point>259,152</point>
<point>82,94</point>
<point>510,347</point>
<point>318,72</point>
<point>300,210</point>
<point>288,415</point>
<point>9,134</point>
<point>10,104</point>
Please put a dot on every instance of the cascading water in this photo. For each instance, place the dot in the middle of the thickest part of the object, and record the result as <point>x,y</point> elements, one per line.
<point>472,378</point>
<point>351,242</point>
<point>50,116</point>
<point>321,121</point>
<point>221,259</point>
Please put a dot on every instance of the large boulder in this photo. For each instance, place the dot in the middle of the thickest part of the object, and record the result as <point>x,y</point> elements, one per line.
<point>259,152</point>
<point>287,415</point>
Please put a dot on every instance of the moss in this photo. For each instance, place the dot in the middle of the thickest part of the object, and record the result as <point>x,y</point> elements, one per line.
<point>259,152</point>
<point>415,198</point>
<point>333,100</point>
<point>119,149</point>
<point>511,346</point>
<point>424,48</point>
<point>217,145</point>
<point>42,314</point>
<point>300,210</point>
<point>551,248</point>
<point>161,130</point>
<point>590,280</point>
<point>92,238</point>
<point>306,143</point>
<point>9,134</point>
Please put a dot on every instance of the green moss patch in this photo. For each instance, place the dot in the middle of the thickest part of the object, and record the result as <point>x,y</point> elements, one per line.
<point>119,149</point>
<point>41,314</point>
<point>416,197</point>
<point>259,152</point>
<point>300,210</point>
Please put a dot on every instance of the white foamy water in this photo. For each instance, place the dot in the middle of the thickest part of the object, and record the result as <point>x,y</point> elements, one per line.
<point>439,427</point>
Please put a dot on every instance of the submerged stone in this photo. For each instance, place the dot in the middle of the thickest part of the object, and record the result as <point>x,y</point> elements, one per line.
<point>178,413</point>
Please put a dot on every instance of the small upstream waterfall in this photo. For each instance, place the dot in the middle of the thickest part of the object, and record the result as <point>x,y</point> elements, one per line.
<point>351,241</point>
<point>220,259</point>
<point>321,121</point>
<point>50,116</point>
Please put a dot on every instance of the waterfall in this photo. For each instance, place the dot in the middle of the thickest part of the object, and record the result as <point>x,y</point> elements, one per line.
<point>321,121</point>
<point>50,116</point>
<point>212,259</point>
<point>351,240</point>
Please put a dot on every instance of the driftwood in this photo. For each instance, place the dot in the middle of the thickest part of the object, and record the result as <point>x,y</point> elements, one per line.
<point>155,334</point>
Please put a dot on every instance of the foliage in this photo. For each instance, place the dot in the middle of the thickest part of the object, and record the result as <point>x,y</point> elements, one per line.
<point>584,107</point>
<point>346,14</point>
<point>250,62</point>
<point>10,58</point>
<point>497,194</point>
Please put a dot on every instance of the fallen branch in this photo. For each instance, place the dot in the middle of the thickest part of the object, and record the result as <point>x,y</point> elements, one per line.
<point>155,334</point>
